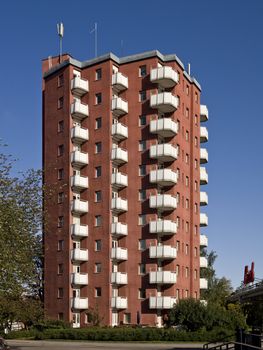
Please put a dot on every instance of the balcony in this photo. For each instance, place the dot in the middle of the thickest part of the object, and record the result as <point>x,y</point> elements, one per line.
<point>203,156</point>
<point>203,220</point>
<point>119,229</point>
<point>164,152</point>
<point>119,303</point>
<point>165,76</point>
<point>203,241</point>
<point>163,202</point>
<point>119,156</point>
<point>79,134</point>
<point>79,207</point>
<point>79,255</point>
<point>203,113</point>
<point>162,302</point>
<point>203,283</point>
<point>119,107</point>
<point>164,127</point>
<point>162,277</point>
<point>119,278</point>
<point>119,205</point>
<point>164,252</point>
<point>79,86</point>
<point>119,81</point>
<point>163,177</point>
<point>80,303</point>
<point>79,279</point>
<point>203,176</point>
<point>203,134</point>
<point>119,180</point>
<point>165,102</point>
<point>79,230</point>
<point>79,182</point>
<point>79,158</point>
<point>79,110</point>
<point>119,253</point>
<point>203,262</point>
<point>119,131</point>
<point>163,227</point>
<point>203,198</point>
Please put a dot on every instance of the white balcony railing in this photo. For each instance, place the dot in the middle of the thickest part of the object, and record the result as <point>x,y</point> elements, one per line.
<point>79,158</point>
<point>119,180</point>
<point>79,134</point>
<point>118,228</point>
<point>119,253</point>
<point>203,241</point>
<point>79,182</point>
<point>79,207</point>
<point>119,81</point>
<point>163,177</point>
<point>162,252</point>
<point>79,279</point>
<point>78,254</point>
<point>162,277</point>
<point>203,156</point>
<point>79,110</point>
<point>203,220</point>
<point>203,134</point>
<point>79,230</point>
<point>163,202</point>
<point>203,283</point>
<point>119,278</point>
<point>80,303</point>
<point>119,107</point>
<point>119,155</point>
<point>203,176</point>
<point>79,86</point>
<point>162,302</point>
<point>165,102</point>
<point>165,127</point>
<point>119,205</point>
<point>119,131</point>
<point>164,152</point>
<point>119,302</point>
<point>203,113</point>
<point>166,76</point>
<point>203,262</point>
<point>203,198</point>
<point>163,227</point>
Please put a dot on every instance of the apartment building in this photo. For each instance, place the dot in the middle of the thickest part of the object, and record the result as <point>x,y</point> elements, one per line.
<point>122,157</point>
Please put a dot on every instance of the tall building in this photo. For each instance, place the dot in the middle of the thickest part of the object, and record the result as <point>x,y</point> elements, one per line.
<point>122,155</point>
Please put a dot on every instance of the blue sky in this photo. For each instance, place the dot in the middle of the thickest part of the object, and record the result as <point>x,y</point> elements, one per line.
<point>222,39</point>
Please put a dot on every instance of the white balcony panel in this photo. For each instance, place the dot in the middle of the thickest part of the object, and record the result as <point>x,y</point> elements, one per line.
<point>79,110</point>
<point>119,180</point>
<point>117,228</point>
<point>162,277</point>
<point>162,302</point>
<point>119,81</point>
<point>203,176</point>
<point>79,230</point>
<point>165,102</point>
<point>79,134</point>
<point>203,198</point>
<point>203,283</point>
<point>163,177</point>
<point>163,202</point>
<point>80,303</point>
<point>203,220</point>
<point>203,113</point>
<point>164,152</point>
<point>119,253</point>
<point>79,159</point>
<point>79,207</point>
<point>79,254</point>
<point>203,241</point>
<point>119,156</point>
<point>166,76</point>
<point>119,107</point>
<point>163,227</point>
<point>79,86</point>
<point>203,156</point>
<point>162,252</point>
<point>203,262</point>
<point>203,134</point>
<point>119,131</point>
<point>79,182</point>
<point>119,278</point>
<point>119,303</point>
<point>119,205</point>
<point>79,279</point>
<point>165,127</point>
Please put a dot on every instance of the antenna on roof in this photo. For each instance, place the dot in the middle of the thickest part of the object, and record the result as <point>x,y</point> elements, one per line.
<point>60,30</point>
<point>95,30</point>
<point>189,69</point>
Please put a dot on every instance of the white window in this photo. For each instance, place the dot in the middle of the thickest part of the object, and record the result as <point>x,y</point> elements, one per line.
<point>98,74</point>
<point>141,293</point>
<point>98,245</point>
<point>98,147</point>
<point>142,170</point>
<point>142,244</point>
<point>142,120</point>
<point>97,267</point>
<point>142,71</point>
<point>142,145</point>
<point>141,269</point>
<point>127,318</point>
<point>97,292</point>
<point>142,195</point>
<point>142,95</point>
<point>98,220</point>
<point>98,171</point>
<point>98,123</point>
<point>98,196</point>
<point>142,220</point>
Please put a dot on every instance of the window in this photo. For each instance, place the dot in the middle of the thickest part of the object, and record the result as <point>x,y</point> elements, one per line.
<point>98,171</point>
<point>196,186</point>
<point>61,126</point>
<point>196,97</point>
<point>98,147</point>
<point>187,158</point>
<point>60,221</point>
<point>60,293</point>
<point>60,269</point>
<point>195,252</point>
<point>177,270</point>
<point>98,74</point>
<point>98,245</point>
<point>195,275</point>
<point>196,230</point>
<point>186,293</point>
<point>187,135</point>
<point>178,198</point>
<point>60,80</point>
<point>142,95</point>
<point>186,249</point>
<point>142,170</point>
<point>196,142</point>
<point>60,245</point>
<point>142,120</point>
<point>98,123</point>
<point>60,102</point>
<point>177,294</point>
<point>142,195</point>
<point>142,220</point>
<point>142,71</point>
<point>196,120</point>
<point>141,269</point>
<point>196,164</point>
<point>97,292</point>
<point>97,267</point>
<point>141,293</point>
<point>98,220</point>
<point>196,208</point>
<point>142,145</point>
<point>98,196</point>
<point>127,318</point>
<point>187,89</point>
<point>187,203</point>
<point>142,244</point>
<point>186,181</point>
<point>186,272</point>
<point>60,197</point>
<point>61,316</point>
<point>178,246</point>
<point>98,98</point>
<point>187,227</point>
<point>60,174</point>
<point>60,150</point>
<point>187,112</point>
